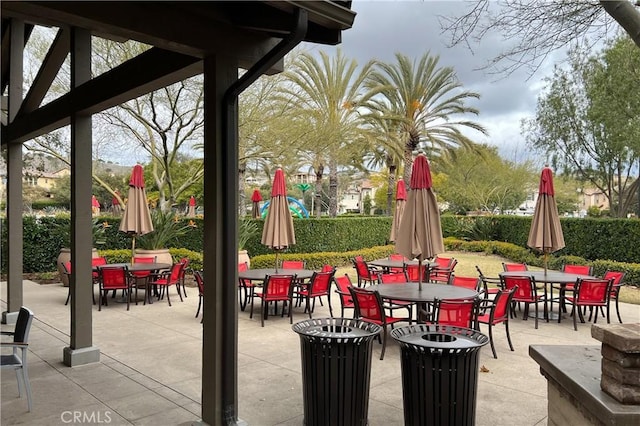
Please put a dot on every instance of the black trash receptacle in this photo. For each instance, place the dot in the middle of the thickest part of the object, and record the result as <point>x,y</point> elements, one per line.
<point>336,369</point>
<point>439,373</point>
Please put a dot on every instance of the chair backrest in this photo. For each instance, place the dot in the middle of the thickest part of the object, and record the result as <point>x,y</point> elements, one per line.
<point>113,277</point>
<point>526,288</point>
<point>443,262</point>
<point>368,304</point>
<point>328,268</point>
<point>413,272</point>
<point>98,261</point>
<point>457,312</point>
<point>388,278</point>
<point>320,282</point>
<point>514,267</point>
<point>343,283</point>
<point>198,275</point>
<point>293,264</point>
<point>502,303</point>
<point>23,325</point>
<point>472,283</point>
<point>66,266</point>
<point>487,280</point>
<point>578,269</point>
<point>397,256</point>
<point>144,259</point>
<point>176,272</point>
<point>278,286</point>
<point>592,291</point>
<point>362,269</point>
<point>243,266</point>
<point>615,275</point>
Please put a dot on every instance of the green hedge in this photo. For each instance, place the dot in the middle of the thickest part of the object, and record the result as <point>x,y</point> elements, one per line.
<point>592,239</point>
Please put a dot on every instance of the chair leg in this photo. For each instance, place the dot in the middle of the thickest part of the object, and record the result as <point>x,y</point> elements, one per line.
<point>199,305</point>
<point>166,288</point>
<point>575,315</point>
<point>69,296</point>
<point>493,348</point>
<point>384,341</point>
<point>329,303</point>
<point>618,311</point>
<point>25,378</point>
<point>536,313</point>
<point>506,326</point>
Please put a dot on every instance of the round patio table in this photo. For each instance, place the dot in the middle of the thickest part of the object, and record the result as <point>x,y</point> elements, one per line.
<point>409,292</point>
<point>138,267</point>
<point>390,263</point>
<point>548,277</point>
<point>558,277</point>
<point>261,274</point>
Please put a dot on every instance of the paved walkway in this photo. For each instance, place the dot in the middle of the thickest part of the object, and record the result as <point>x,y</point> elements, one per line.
<point>150,368</point>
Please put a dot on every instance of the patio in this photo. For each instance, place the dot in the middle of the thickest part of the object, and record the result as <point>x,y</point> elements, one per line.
<point>150,368</point>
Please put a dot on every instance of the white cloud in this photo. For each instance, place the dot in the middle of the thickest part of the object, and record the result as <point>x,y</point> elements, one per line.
<point>382,28</point>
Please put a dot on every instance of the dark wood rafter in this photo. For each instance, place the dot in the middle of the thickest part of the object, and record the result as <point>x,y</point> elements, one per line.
<point>4,58</point>
<point>151,70</point>
<point>47,73</point>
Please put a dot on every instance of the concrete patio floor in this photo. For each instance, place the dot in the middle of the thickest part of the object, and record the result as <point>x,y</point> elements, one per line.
<point>150,368</point>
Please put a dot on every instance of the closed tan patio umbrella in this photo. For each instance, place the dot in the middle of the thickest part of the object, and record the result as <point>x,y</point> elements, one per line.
<point>546,234</point>
<point>420,232</point>
<point>192,207</point>
<point>136,219</point>
<point>278,232</point>
<point>401,200</point>
<point>256,198</point>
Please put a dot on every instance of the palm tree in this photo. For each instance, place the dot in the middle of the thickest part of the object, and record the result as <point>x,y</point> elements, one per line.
<point>326,93</point>
<point>424,100</point>
<point>386,151</point>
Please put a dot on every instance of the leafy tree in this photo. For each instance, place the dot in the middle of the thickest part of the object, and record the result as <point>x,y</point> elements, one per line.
<point>325,93</point>
<point>425,101</point>
<point>550,25</point>
<point>478,179</point>
<point>587,121</point>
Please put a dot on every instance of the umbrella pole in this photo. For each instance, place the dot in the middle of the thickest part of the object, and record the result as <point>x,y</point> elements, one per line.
<point>133,248</point>
<point>420,273</point>
<point>545,262</point>
<point>276,261</point>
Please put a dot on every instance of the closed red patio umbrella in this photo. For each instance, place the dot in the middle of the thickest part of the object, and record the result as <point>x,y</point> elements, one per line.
<point>420,232</point>
<point>401,200</point>
<point>256,198</point>
<point>278,232</point>
<point>546,234</point>
<point>192,207</point>
<point>136,219</point>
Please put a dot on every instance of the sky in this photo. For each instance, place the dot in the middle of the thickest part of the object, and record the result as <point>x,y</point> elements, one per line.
<point>382,28</point>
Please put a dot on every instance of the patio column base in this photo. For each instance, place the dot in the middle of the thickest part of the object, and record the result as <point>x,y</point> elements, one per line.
<point>239,422</point>
<point>82,356</point>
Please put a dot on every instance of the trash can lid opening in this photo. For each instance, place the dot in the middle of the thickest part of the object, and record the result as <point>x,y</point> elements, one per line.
<point>336,329</point>
<point>437,337</point>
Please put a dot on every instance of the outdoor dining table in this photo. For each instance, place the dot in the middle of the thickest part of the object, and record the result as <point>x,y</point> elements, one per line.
<point>410,292</point>
<point>387,264</point>
<point>138,267</point>
<point>261,274</point>
<point>548,278</point>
